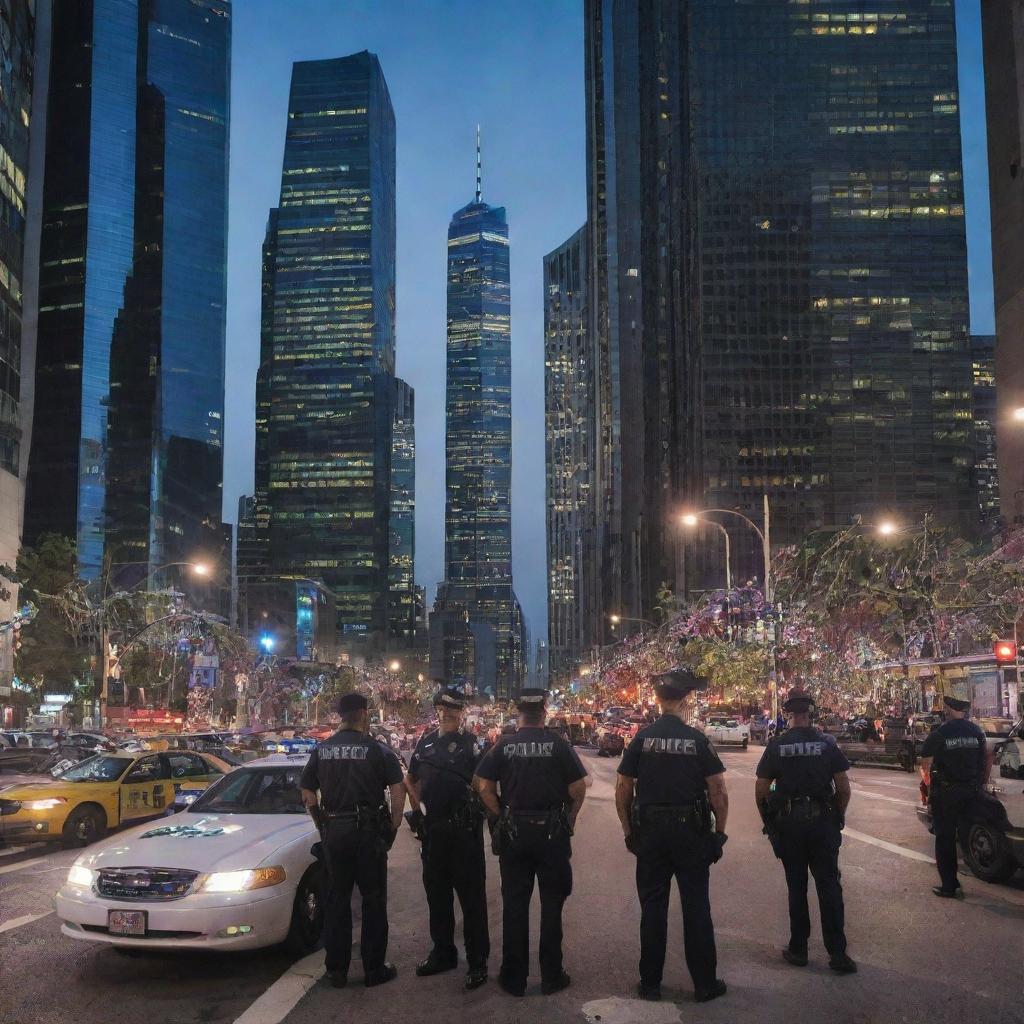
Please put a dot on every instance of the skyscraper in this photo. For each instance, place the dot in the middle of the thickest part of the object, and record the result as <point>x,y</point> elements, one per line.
<point>330,416</point>
<point>569,456</point>
<point>1002,23</point>
<point>779,280</point>
<point>478,512</point>
<point>16,99</point>
<point>986,463</point>
<point>127,436</point>
<point>402,530</point>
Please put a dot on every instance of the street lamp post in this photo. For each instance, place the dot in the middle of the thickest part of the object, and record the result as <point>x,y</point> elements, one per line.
<point>694,520</point>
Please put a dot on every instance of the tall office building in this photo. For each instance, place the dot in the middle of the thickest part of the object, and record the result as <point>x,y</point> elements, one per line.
<point>778,276</point>
<point>330,416</point>
<point>1003,37</point>
<point>17,43</point>
<point>127,435</point>
<point>986,463</point>
<point>478,511</point>
<point>569,456</point>
<point>402,528</point>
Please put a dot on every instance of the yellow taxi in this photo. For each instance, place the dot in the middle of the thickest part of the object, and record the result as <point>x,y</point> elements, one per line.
<point>102,792</point>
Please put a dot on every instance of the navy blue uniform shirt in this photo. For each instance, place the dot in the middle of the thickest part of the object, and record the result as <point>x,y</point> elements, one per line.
<point>802,762</point>
<point>351,768</point>
<point>957,749</point>
<point>671,762</point>
<point>443,764</point>
<point>534,768</point>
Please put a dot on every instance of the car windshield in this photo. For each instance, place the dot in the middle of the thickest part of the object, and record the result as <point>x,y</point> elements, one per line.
<point>254,791</point>
<point>97,769</point>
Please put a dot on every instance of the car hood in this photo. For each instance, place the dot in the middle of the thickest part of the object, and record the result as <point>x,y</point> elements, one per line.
<point>202,842</point>
<point>23,781</point>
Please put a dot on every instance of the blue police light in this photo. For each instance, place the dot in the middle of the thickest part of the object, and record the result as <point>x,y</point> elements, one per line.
<point>267,642</point>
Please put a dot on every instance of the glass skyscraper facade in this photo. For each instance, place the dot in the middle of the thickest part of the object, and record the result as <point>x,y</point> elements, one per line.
<point>127,439</point>
<point>779,274</point>
<point>402,529</point>
<point>478,511</point>
<point>569,456</point>
<point>330,415</point>
<point>986,462</point>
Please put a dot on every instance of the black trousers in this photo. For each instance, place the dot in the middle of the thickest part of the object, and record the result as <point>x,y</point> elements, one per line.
<point>534,856</point>
<point>951,806</point>
<point>812,845</point>
<point>355,857</point>
<point>454,864</point>
<point>668,849</point>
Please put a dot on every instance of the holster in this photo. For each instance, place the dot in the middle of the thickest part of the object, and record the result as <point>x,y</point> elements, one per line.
<point>504,832</point>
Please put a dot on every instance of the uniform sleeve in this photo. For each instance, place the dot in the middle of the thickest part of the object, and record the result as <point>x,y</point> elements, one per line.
<point>837,760</point>
<point>393,773</point>
<point>767,767</point>
<point>710,762</point>
<point>982,752</point>
<point>490,765</point>
<point>311,773</point>
<point>414,763</point>
<point>933,744</point>
<point>630,763</point>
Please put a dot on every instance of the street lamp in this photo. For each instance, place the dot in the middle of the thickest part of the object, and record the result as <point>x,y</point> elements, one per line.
<point>1018,414</point>
<point>691,521</point>
<point>888,528</point>
<point>692,518</point>
<point>615,619</point>
<point>395,666</point>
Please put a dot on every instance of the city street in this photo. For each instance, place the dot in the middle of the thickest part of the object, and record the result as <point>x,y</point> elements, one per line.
<point>921,959</point>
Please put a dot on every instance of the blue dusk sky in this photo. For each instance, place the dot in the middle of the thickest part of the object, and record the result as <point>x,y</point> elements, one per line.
<point>516,68</point>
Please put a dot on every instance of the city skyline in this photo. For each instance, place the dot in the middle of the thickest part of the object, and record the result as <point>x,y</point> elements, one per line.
<point>534,72</point>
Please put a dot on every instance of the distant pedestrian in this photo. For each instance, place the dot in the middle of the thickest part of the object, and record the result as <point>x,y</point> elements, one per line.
<point>533,786</point>
<point>955,764</point>
<point>804,815</point>
<point>670,782</point>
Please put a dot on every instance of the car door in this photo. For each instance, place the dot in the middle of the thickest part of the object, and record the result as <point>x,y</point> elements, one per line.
<point>190,771</point>
<point>146,789</point>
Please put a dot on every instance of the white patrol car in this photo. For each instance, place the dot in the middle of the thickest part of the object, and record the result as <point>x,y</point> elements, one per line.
<point>233,871</point>
<point>724,731</point>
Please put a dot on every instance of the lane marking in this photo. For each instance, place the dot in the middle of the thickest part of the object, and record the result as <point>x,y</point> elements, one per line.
<point>861,791</point>
<point>10,851</point>
<point>890,847</point>
<point>17,922</point>
<point>18,867</point>
<point>282,997</point>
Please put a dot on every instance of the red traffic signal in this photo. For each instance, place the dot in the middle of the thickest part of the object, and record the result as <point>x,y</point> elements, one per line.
<point>1005,651</point>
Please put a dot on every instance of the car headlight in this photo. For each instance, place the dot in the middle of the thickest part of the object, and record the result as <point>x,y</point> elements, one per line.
<point>43,805</point>
<point>79,875</point>
<point>243,881</point>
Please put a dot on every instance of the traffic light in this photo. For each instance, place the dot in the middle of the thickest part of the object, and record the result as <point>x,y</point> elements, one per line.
<point>1005,651</point>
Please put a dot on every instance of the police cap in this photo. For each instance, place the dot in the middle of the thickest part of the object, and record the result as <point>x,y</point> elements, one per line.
<point>955,704</point>
<point>676,683</point>
<point>352,702</point>
<point>799,701</point>
<point>531,699</point>
<point>449,697</point>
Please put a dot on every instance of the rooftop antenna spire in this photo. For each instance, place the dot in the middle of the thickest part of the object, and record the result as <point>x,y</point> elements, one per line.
<point>478,189</point>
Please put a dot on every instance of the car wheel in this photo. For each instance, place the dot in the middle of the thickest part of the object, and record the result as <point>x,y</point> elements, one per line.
<point>987,853</point>
<point>306,930</point>
<point>84,825</point>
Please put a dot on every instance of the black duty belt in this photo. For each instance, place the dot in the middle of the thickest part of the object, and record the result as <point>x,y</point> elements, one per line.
<point>351,813</point>
<point>683,813</point>
<point>804,806</point>
<point>539,816</point>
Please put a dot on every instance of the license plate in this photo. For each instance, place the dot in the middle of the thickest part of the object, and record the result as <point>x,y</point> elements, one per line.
<point>126,922</point>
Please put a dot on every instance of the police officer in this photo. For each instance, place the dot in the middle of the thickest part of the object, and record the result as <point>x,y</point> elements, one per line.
<point>440,779</point>
<point>804,817</point>
<point>955,764</point>
<point>669,781</point>
<point>352,771</point>
<point>533,786</point>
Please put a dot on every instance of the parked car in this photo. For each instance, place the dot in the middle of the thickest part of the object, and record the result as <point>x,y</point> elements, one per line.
<point>104,791</point>
<point>726,731</point>
<point>610,740</point>
<point>234,871</point>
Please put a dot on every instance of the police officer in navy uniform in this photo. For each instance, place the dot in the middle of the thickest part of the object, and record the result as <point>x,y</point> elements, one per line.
<point>804,816</point>
<point>440,779</point>
<point>955,764</point>
<point>533,786</point>
<point>669,782</point>
<point>352,772</point>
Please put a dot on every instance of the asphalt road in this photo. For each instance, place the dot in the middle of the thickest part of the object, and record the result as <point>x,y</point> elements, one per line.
<point>921,959</point>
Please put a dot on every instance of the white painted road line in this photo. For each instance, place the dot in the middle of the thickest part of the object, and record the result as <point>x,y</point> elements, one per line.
<point>18,867</point>
<point>283,996</point>
<point>10,851</point>
<point>891,847</point>
<point>17,922</point>
<point>861,791</point>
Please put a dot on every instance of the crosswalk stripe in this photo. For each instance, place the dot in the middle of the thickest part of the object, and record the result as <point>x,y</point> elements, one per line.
<point>17,922</point>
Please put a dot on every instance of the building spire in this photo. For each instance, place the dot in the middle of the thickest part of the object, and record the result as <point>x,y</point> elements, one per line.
<point>478,165</point>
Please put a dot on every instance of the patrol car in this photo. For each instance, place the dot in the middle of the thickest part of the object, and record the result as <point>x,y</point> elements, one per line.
<point>234,871</point>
